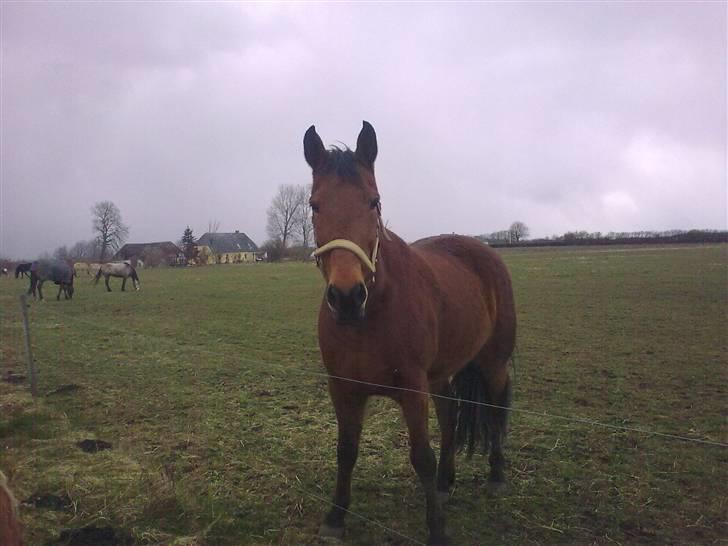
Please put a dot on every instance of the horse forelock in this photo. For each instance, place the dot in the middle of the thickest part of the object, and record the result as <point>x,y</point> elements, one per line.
<point>340,162</point>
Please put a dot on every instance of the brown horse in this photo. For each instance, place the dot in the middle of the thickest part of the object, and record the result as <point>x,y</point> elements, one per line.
<point>403,321</point>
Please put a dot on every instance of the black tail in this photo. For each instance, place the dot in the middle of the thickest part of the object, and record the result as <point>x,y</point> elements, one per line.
<point>476,423</point>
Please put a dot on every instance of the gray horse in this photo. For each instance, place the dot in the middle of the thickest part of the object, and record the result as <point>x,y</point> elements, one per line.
<point>117,269</point>
<point>51,270</point>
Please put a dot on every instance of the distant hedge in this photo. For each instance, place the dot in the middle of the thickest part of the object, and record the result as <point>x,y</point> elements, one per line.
<point>692,236</point>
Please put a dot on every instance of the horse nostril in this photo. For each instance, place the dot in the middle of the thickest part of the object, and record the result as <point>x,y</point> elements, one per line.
<point>359,294</point>
<point>332,295</point>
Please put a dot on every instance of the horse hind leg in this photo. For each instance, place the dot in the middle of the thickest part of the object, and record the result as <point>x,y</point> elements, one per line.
<point>123,284</point>
<point>483,388</point>
<point>446,408</point>
<point>499,392</point>
<point>106,280</point>
<point>496,376</point>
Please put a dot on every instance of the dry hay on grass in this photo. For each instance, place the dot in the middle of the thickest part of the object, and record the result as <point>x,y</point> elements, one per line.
<point>68,494</point>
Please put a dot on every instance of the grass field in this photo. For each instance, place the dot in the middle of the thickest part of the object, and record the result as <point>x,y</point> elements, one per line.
<point>208,385</point>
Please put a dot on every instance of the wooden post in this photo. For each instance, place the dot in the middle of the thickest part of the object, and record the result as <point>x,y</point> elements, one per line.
<point>26,328</point>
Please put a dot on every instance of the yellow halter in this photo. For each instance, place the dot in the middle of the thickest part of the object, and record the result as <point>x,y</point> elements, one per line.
<point>346,244</point>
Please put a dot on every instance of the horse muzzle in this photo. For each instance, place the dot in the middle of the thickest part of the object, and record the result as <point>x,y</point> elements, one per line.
<point>347,306</point>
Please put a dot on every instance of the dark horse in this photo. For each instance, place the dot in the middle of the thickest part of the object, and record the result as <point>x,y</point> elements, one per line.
<point>51,270</point>
<point>23,270</point>
<point>123,270</point>
<point>403,321</point>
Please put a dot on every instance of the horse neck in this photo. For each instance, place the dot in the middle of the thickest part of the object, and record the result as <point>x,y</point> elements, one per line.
<point>393,262</point>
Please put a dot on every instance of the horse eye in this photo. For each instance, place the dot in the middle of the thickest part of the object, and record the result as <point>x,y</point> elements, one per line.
<point>374,203</point>
<point>314,207</point>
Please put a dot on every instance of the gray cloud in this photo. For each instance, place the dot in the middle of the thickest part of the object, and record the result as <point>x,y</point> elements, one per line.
<point>597,116</point>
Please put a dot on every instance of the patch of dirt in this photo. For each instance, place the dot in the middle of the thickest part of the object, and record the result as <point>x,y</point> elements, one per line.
<point>93,536</point>
<point>64,389</point>
<point>51,502</point>
<point>93,446</point>
<point>15,378</point>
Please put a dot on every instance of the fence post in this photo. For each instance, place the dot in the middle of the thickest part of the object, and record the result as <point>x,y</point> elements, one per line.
<point>26,328</point>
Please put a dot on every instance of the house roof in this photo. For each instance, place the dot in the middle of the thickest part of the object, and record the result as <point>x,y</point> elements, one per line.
<point>130,250</point>
<point>227,242</point>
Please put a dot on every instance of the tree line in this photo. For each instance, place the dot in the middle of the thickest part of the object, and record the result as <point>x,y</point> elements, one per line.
<point>516,233</point>
<point>289,228</point>
<point>581,237</point>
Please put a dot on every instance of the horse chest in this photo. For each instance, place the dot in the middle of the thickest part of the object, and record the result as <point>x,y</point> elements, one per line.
<point>377,359</point>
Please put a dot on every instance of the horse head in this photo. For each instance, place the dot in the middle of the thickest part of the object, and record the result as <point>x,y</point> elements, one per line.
<point>346,220</point>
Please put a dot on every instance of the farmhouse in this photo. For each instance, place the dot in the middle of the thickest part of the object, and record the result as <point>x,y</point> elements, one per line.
<point>226,248</point>
<point>151,254</point>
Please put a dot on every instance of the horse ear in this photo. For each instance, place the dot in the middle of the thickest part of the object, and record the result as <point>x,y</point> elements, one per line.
<point>366,145</point>
<point>313,148</point>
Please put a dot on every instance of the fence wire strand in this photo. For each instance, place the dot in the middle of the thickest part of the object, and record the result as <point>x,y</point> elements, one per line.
<point>304,371</point>
<point>364,518</point>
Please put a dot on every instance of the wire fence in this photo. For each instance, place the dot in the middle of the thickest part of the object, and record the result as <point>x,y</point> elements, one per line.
<point>308,371</point>
<point>305,371</point>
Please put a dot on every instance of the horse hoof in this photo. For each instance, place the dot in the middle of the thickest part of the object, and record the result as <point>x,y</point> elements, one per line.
<point>439,541</point>
<point>331,533</point>
<point>497,488</point>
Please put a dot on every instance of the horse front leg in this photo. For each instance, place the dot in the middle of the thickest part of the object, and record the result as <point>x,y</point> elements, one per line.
<point>58,296</point>
<point>40,290</point>
<point>422,457</point>
<point>349,407</point>
<point>106,280</point>
<point>123,284</point>
<point>447,418</point>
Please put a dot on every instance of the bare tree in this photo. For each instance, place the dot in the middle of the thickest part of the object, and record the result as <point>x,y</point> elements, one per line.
<point>85,250</point>
<point>62,253</point>
<point>283,212</point>
<point>518,231</point>
<point>111,232</point>
<point>303,226</point>
<point>213,226</point>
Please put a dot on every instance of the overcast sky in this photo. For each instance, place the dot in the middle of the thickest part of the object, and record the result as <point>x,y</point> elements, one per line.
<point>569,115</point>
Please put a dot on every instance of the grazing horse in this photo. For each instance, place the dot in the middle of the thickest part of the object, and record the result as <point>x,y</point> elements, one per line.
<point>23,269</point>
<point>407,321</point>
<point>51,270</point>
<point>80,267</point>
<point>117,269</point>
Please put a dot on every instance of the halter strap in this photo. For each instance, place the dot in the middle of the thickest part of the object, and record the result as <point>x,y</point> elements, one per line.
<point>351,246</point>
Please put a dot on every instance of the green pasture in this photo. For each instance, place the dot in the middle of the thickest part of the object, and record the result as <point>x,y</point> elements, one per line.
<point>208,384</point>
